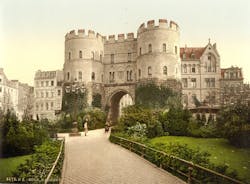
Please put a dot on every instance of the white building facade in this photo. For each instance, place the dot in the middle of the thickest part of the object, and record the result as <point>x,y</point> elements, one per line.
<point>15,96</point>
<point>48,94</point>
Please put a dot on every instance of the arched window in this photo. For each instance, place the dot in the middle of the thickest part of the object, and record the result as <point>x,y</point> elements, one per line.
<point>80,76</point>
<point>139,73</point>
<point>69,55</point>
<point>149,71</point>
<point>175,50</point>
<point>164,47</point>
<point>68,76</point>
<point>93,76</point>
<point>112,58</point>
<point>150,48</point>
<point>101,57</point>
<point>193,69</point>
<point>129,57</point>
<point>211,67</point>
<point>165,70</point>
<point>185,68</point>
<point>80,54</point>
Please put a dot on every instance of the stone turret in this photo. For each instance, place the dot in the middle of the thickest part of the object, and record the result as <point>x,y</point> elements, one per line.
<point>83,63</point>
<point>158,50</point>
<point>83,56</point>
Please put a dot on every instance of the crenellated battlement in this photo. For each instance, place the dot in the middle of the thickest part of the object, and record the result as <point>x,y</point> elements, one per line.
<point>80,33</point>
<point>162,24</point>
<point>120,38</point>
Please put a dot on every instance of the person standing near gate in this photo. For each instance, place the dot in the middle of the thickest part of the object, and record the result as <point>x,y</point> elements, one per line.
<point>86,126</point>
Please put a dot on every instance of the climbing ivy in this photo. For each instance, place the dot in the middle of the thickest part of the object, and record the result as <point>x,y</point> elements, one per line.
<point>97,99</point>
<point>153,96</point>
<point>74,103</point>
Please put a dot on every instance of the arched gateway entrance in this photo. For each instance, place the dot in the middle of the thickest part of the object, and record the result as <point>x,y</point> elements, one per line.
<point>114,104</point>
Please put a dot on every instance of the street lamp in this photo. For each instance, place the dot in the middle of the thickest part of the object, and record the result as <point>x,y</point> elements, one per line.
<point>75,89</point>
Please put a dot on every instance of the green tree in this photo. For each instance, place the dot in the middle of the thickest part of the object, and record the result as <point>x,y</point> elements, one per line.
<point>152,96</point>
<point>233,123</point>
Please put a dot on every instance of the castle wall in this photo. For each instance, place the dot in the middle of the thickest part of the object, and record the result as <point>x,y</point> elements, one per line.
<point>120,62</point>
<point>120,68</point>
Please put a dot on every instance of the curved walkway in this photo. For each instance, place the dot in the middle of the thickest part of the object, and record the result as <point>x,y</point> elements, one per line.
<point>94,160</point>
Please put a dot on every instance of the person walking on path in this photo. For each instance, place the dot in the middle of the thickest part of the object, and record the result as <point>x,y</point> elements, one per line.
<point>107,126</point>
<point>86,126</point>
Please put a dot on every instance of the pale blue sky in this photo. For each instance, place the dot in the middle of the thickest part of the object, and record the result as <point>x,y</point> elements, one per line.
<point>32,32</point>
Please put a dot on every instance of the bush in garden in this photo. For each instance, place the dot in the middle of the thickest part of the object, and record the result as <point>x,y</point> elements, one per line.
<point>40,164</point>
<point>138,130</point>
<point>96,116</point>
<point>233,123</point>
<point>155,129</point>
<point>19,138</point>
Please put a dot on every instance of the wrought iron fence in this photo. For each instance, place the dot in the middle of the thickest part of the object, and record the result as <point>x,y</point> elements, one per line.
<point>186,170</point>
<point>60,154</point>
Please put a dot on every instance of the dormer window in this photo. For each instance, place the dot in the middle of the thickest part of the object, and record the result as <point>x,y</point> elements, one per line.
<point>184,56</point>
<point>193,56</point>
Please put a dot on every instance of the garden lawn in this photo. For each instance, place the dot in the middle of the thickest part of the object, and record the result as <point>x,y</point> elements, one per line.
<point>8,165</point>
<point>220,149</point>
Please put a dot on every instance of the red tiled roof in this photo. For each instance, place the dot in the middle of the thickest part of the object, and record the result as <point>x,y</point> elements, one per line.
<point>197,51</point>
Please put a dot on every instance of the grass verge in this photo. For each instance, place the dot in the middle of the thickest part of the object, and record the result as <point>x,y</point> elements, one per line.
<point>8,165</point>
<point>220,149</point>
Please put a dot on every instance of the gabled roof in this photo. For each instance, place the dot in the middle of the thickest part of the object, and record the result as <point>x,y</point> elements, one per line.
<point>191,53</point>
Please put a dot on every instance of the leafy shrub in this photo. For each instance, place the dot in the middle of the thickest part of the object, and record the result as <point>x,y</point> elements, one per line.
<point>175,121</point>
<point>196,130</point>
<point>136,113</point>
<point>19,138</point>
<point>233,123</point>
<point>138,130</point>
<point>37,168</point>
<point>96,116</point>
<point>155,129</point>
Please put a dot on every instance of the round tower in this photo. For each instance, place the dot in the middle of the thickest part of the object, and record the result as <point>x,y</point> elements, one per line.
<point>83,59</point>
<point>158,51</point>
